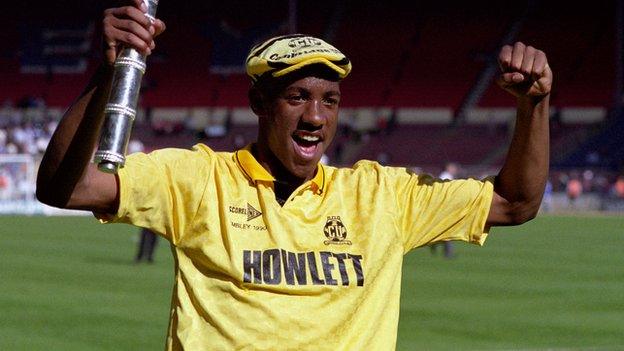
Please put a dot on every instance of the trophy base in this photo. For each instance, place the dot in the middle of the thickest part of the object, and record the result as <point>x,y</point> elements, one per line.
<point>108,167</point>
<point>109,161</point>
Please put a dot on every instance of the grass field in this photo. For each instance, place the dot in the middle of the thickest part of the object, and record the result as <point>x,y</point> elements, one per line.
<point>556,283</point>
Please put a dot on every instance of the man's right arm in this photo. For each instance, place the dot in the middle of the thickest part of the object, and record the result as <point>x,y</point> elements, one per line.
<point>66,177</point>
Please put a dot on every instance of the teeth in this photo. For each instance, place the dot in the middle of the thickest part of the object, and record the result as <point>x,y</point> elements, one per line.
<point>310,138</point>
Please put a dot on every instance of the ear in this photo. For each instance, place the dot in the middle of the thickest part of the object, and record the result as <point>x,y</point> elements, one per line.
<point>257,102</point>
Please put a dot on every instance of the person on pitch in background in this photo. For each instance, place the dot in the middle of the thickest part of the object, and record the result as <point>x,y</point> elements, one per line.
<point>274,250</point>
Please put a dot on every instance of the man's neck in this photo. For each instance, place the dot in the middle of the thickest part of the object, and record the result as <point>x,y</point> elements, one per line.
<point>285,182</point>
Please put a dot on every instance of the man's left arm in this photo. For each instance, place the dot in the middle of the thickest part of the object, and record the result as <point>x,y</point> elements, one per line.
<point>519,186</point>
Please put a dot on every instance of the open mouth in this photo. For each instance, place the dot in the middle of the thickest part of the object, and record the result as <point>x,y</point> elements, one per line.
<point>306,144</point>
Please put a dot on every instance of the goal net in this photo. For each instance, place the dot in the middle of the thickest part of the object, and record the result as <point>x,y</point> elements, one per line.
<point>17,184</point>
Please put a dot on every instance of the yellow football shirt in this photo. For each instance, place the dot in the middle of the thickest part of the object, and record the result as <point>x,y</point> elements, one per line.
<point>321,272</point>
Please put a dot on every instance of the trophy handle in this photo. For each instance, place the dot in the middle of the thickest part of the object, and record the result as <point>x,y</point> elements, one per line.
<point>121,108</point>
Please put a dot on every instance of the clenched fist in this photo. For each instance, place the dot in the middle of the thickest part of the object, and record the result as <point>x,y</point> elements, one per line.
<point>128,25</point>
<point>525,71</point>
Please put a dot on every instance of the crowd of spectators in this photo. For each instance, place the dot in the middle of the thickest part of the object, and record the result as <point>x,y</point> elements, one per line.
<point>26,128</point>
<point>578,182</point>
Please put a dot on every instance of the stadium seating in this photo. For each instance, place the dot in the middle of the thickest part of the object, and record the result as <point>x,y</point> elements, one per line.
<point>416,60</point>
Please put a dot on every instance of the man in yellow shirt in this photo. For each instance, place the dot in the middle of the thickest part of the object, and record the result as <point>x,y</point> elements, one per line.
<point>272,249</point>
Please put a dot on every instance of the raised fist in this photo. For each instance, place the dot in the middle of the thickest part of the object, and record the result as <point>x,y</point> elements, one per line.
<point>128,25</point>
<point>524,71</point>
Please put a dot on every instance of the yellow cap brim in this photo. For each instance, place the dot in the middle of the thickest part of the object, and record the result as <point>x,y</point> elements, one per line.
<point>341,72</point>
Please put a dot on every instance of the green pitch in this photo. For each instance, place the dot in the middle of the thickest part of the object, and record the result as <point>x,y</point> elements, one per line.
<point>556,283</point>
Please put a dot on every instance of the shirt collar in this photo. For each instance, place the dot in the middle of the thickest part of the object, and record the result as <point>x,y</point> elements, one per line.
<point>255,172</point>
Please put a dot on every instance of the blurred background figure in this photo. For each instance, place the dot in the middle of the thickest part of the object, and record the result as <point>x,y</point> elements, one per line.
<point>147,245</point>
<point>324,159</point>
<point>574,189</point>
<point>450,171</point>
<point>618,187</point>
<point>548,197</point>
<point>135,145</point>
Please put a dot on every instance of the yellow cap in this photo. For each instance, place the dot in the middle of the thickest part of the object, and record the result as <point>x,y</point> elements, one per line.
<point>282,55</point>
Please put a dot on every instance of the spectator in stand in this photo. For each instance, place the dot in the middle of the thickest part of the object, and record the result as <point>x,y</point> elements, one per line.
<point>547,200</point>
<point>24,138</point>
<point>11,149</point>
<point>3,140</point>
<point>5,185</point>
<point>383,158</point>
<point>239,141</point>
<point>618,187</point>
<point>562,181</point>
<point>588,181</point>
<point>324,159</point>
<point>30,101</point>
<point>135,145</point>
<point>574,189</point>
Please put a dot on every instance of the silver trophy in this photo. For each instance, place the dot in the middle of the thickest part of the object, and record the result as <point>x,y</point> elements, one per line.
<point>121,108</point>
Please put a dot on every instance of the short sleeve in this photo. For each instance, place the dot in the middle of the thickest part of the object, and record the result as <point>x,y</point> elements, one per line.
<point>442,210</point>
<point>162,190</point>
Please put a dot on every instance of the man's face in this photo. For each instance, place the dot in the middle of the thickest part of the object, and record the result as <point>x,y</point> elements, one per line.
<point>300,123</point>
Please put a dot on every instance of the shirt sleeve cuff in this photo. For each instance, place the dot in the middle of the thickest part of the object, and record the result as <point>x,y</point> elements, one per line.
<point>124,183</point>
<point>480,230</point>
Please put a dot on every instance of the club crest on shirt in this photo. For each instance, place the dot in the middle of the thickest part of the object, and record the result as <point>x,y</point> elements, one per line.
<point>335,232</point>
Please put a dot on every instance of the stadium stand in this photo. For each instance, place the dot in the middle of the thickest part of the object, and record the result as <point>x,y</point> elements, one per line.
<point>412,72</point>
